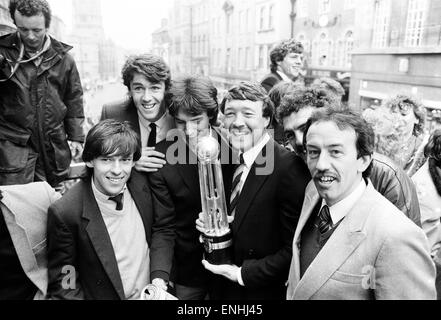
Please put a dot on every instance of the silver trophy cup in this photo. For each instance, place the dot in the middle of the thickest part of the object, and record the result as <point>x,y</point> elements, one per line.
<point>217,238</point>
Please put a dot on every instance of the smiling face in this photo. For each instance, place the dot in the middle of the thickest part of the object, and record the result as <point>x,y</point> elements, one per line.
<point>333,161</point>
<point>148,97</point>
<point>32,30</point>
<point>292,65</point>
<point>111,173</point>
<point>245,122</point>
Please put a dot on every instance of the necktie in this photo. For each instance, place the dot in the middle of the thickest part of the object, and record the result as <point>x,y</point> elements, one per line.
<point>236,186</point>
<point>119,201</point>
<point>325,221</point>
<point>151,143</point>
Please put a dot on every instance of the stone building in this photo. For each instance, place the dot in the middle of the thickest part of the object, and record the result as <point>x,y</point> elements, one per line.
<point>399,52</point>
<point>6,25</point>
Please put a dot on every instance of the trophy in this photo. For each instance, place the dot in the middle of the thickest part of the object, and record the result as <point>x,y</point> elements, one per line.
<point>217,238</point>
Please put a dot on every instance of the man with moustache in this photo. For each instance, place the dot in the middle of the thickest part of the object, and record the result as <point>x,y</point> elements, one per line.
<point>286,64</point>
<point>147,78</point>
<point>351,243</point>
<point>103,238</point>
<point>387,178</point>
<point>41,100</point>
<point>264,195</point>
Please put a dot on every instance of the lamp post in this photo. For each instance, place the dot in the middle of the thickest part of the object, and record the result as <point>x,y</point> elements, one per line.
<point>293,16</point>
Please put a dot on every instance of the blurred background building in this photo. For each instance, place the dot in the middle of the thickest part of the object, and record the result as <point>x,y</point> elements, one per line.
<point>6,25</point>
<point>374,48</point>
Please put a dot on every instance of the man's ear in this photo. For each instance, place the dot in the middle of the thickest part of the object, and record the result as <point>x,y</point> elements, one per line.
<point>365,162</point>
<point>89,164</point>
<point>267,122</point>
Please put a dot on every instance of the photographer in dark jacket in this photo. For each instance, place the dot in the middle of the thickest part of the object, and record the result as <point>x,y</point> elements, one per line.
<point>41,100</point>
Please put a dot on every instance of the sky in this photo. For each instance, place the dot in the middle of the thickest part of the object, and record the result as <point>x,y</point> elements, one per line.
<point>129,25</point>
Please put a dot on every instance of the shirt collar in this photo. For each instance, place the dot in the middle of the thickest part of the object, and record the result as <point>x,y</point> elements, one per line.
<point>160,123</point>
<point>283,76</point>
<point>101,196</point>
<point>341,209</point>
<point>251,155</point>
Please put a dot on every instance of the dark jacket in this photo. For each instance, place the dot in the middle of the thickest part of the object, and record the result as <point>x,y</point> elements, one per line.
<point>43,104</point>
<point>270,80</point>
<point>263,229</point>
<point>78,237</point>
<point>176,194</point>
<point>396,186</point>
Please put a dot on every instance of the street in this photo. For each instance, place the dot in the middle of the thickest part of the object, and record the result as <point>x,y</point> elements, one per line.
<point>95,99</point>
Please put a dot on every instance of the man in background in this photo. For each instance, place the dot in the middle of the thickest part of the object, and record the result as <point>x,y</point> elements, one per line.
<point>287,64</point>
<point>41,100</point>
<point>147,78</point>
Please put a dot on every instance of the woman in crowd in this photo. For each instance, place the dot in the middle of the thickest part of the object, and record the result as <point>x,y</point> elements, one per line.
<point>428,183</point>
<point>399,128</point>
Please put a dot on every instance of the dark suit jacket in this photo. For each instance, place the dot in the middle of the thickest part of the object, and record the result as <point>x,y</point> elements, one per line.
<point>123,110</point>
<point>266,217</point>
<point>270,80</point>
<point>176,191</point>
<point>77,237</point>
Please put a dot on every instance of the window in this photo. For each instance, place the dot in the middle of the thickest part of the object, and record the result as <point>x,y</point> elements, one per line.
<point>247,58</point>
<point>349,4</point>
<point>241,22</point>
<point>262,18</point>
<point>239,58</point>
<point>302,8</point>
<point>271,17</point>
<point>249,20</point>
<point>322,50</point>
<point>416,17</point>
<point>347,50</point>
<point>228,60</point>
<point>381,23</point>
<point>219,57</point>
<point>324,6</point>
<point>261,56</point>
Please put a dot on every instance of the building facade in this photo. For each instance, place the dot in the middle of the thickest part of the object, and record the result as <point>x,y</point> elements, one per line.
<point>399,52</point>
<point>6,25</point>
<point>161,41</point>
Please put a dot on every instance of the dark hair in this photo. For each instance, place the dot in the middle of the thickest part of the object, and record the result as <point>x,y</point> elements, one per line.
<point>29,8</point>
<point>193,95</point>
<point>306,97</point>
<point>281,89</point>
<point>433,147</point>
<point>151,66</point>
<point>347,119</point>
<point>333,86</point>
<point>418,109</point>
<point>252,91</point>
<point>282,49</point>
<point>111,138</point>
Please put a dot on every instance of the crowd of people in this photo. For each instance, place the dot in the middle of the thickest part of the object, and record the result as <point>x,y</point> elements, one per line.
<point>323,202</point>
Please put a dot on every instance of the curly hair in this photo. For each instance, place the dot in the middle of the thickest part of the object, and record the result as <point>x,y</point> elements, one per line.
<point>252,91</point>
<point>305,97</point>
<point>29,8</point>
<point>419,110</point>
<point>433,148</point>
<point>151,66</point>
<point>193,95</point>
<point>330,84</point>
<point>281,89</point>
<point>281,50</point>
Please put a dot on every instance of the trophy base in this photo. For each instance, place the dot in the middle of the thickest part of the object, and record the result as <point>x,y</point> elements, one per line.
<point>218,250</point>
